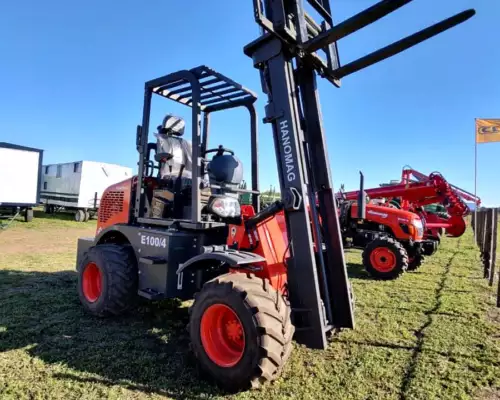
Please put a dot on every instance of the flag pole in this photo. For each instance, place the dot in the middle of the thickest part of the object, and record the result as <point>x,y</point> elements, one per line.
<point>475,178</point>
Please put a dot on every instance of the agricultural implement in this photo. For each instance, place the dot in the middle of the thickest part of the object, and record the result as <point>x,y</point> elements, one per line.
<point>414,195</point>
<point>439,215</point>
<point>177,229</point>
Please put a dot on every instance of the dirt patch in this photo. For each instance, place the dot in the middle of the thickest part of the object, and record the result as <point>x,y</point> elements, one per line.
<point>42,241</point>
<point>488,394</point>
<point>494,314</point>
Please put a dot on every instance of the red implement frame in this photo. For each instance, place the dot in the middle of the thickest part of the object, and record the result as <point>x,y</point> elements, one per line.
<point>409,173</point>
<point>422,191</point>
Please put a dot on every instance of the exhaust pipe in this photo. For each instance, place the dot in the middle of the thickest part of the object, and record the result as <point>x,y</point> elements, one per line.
<point>361,197</point>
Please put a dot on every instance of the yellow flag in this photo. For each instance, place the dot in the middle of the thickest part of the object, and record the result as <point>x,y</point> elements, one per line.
<point>487,130</point>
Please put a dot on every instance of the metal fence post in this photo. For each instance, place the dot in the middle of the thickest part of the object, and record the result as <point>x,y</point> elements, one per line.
<point>484,221</point>
<point>479,234</point>
<point>488,228</point>
<point>473,224</point>
<point>494,238</point>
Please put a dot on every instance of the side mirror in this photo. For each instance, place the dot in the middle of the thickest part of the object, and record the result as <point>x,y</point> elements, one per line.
<point>361,197</point>
<point>138,138</point>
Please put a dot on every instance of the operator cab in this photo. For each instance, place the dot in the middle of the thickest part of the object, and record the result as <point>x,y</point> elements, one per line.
<point>183,179</point>
<point>221,177</point>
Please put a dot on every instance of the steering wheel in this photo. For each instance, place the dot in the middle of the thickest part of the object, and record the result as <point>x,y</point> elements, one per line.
<point>220,151</point>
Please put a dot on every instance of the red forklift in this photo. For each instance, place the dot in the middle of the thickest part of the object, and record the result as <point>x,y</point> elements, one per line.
<point>178,230</point>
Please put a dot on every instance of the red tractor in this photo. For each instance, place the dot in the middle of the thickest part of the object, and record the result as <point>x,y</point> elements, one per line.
<point>413,196</point>
<point>391,239</point>
<point>177,230</point>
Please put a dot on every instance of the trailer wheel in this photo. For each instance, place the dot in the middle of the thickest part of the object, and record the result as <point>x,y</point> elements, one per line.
<point>415,262</point>
<point>108,279</point>
<point>28,215</point>
<point>241,331</point>
<point>385,258</point>
<point>80,216</point>
<point>87,216</point>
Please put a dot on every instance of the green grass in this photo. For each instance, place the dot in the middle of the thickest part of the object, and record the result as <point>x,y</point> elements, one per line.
<point>427,335</point>
<point>44,221</point>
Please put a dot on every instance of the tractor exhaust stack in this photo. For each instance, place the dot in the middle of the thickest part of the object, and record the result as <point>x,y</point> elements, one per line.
<point>361,197</point>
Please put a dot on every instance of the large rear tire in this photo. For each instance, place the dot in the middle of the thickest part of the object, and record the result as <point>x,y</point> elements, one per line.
<point>108,280</point>
<point>241,331</point>
<point>385,258</point>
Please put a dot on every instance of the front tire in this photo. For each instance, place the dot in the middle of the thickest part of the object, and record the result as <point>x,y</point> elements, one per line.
<point>108,280</point>
<point>415,262</point>
<point>385,258</point>
<point>241,331</point>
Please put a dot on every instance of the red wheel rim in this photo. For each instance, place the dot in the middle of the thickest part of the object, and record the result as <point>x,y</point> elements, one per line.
<point>91,282</point>
<point>383,259</point>
<point>222,335</point>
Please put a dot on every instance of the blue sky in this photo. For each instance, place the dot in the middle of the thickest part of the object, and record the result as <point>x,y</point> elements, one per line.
<point>73,74</point>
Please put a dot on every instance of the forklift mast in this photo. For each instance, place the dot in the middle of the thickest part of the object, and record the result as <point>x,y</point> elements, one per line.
<point>287,55</point>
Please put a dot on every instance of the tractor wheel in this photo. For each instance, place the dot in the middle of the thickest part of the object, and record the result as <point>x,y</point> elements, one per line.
<point>108,279</point>
<point>415,262</point>
<point>241,331</point>
<point>385,258</point>
<point>80,216</point>
<point>87,216</point>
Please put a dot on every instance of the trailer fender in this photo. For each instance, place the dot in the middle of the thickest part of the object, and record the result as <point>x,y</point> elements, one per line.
<point>233,258</point>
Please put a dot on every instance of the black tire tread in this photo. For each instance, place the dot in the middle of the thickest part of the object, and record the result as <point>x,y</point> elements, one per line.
<point>271,315</point>
<point>417,261</point>
<point>396,247</point>
<point>121,271</point>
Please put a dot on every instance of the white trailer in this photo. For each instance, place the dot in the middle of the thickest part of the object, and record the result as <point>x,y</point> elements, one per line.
<point>78,186</point>
<point>20,179</point>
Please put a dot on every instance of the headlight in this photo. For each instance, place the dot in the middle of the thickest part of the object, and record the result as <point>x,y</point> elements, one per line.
<point>418,224</point>
<point>224,207</point>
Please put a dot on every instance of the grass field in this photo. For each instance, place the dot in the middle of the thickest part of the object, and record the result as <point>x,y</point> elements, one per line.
<point>433,334</point>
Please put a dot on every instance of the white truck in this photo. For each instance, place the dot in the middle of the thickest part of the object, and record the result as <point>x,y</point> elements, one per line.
<point>77,186</point>
<point>20,179</point>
